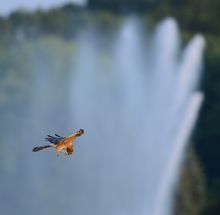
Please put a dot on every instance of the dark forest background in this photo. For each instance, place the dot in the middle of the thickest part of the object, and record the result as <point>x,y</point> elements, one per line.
<point>56,26</point>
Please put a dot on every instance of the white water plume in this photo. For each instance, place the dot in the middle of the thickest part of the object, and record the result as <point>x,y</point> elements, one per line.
<point>138,101</point>
<point>135,93</point>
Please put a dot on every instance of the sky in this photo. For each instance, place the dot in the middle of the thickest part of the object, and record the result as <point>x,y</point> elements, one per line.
<point>6,7</point>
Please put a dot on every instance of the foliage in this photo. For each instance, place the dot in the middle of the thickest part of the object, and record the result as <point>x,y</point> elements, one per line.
<point>123,6</point>
<point>196,15</point>
<point>190,196</point>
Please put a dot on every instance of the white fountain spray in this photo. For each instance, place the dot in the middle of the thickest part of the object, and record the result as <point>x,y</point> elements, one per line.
<point>138,101</point>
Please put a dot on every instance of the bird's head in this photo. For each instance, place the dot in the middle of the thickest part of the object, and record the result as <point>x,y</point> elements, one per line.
<point>80,132</point>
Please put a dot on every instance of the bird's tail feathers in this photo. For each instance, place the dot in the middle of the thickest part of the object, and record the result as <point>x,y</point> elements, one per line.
<point>39,148</point>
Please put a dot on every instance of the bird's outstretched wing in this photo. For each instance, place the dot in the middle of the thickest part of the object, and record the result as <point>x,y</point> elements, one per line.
<point>54,140</point>
<point>73,136</point>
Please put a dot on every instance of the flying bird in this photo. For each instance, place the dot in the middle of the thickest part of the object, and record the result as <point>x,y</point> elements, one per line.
<point>60,143</point>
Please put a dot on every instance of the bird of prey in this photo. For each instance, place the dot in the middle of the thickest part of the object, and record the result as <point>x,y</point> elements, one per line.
<point>60,143</point>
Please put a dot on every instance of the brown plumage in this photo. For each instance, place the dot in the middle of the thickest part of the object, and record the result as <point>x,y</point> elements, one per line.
<point>60,143</point>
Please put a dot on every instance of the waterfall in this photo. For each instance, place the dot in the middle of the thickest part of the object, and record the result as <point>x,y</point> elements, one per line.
<point>137,99</point>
